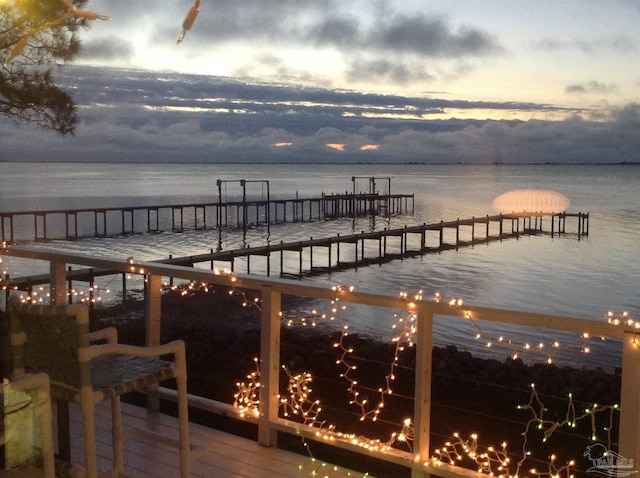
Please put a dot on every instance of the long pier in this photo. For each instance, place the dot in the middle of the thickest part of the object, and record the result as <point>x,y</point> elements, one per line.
<point>390,244</point>
<point>72,224</point>
<point>324,255</point>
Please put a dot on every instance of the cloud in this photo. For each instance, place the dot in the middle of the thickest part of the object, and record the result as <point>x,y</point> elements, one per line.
<point>381,69</point>
<point>614,44</point>
<point>335,30</point>
<point>430,37</point>
<point>591,87</point>
<point>145,116</point>
<point>106,49</point>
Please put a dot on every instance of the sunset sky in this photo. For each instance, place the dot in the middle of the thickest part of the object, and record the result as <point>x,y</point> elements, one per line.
<point>403,80</point>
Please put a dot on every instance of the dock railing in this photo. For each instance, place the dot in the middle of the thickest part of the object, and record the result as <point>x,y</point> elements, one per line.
<point>271,291</point>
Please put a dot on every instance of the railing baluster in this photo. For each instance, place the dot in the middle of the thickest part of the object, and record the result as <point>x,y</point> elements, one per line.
<point>629,437</point>
<point>58,282</point>
<point>153,315</point>
<point>269,365</point>
<point>422,402</point>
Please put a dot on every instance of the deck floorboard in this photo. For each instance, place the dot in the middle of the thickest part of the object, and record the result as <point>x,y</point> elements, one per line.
<point>222,455</point>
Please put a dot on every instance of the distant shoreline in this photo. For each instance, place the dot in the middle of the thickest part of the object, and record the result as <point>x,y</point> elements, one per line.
<point>341,163</point>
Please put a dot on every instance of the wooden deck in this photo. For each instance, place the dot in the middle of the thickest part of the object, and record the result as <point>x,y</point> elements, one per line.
<point>222,455</point>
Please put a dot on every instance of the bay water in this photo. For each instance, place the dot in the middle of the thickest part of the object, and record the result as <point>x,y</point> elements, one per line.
<point>565,275</point>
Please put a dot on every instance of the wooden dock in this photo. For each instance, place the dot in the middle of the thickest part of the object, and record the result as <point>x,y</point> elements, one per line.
<point>376,247</point>
<point>72,224</point>
<point>324,255</point>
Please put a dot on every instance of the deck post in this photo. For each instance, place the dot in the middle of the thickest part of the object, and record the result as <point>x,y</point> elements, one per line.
<point>153,317</point>
<point>629,436</point>
<point>58,282</point>
<point>269,365</point>
<point>422,407</point>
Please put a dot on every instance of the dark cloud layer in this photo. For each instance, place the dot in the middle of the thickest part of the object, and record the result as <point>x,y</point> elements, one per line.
<point>129,115</point>
<point>381,44</point>
<point>591,87</point>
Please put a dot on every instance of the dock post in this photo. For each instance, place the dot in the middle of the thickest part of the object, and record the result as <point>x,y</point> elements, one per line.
<point>69,289</point>
<point>281,260</point>
<point>579,224</point>
<point>268,260</point>
<point>4,232</point>
<point>441,235</point>
<point>586,217</point>
<point>473,228</point>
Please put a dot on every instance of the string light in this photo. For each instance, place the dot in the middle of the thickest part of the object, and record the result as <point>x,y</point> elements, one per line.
<point>492,461</point>
<point>516,348</point>
<point>246,399</point>
<point>297,402</point>
<point>571,419</point>
<point>488,460</point>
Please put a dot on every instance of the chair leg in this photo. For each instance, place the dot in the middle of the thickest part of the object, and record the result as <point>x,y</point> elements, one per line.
<point>88,420</point>
<point>62,416</point>
<point>116,434</point>
<point>46,427</point>
<point>183,426</point>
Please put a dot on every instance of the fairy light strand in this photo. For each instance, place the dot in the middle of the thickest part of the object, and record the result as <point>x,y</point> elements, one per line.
<point>297,402</point>
<point>518,348</point>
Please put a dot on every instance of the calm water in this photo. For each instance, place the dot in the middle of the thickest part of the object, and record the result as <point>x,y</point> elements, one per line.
<point>564,276</point>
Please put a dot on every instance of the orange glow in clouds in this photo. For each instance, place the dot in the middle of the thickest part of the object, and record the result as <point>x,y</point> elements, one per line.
<point>369,147</point>
<point>281,145</point>
<point>336,146</point>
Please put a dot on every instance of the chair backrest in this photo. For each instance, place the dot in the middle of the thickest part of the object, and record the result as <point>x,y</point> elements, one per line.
<point>48,338</point>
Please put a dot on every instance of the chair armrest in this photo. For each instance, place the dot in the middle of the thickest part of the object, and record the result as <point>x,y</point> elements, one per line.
<point>30,381</point>
<point>110,334</point>
<point>175,348</point>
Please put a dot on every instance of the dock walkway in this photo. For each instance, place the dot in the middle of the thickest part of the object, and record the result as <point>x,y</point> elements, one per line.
<point>71,224</point>
<point>324,255</point>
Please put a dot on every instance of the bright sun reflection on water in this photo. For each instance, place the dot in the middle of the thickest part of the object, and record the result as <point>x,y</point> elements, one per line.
<point>526,201</point>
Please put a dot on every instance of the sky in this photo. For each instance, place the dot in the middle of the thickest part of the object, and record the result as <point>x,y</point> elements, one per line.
<point>334,81</point>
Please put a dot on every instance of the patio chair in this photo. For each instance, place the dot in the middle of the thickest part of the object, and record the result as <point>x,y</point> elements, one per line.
<point>55,339</point>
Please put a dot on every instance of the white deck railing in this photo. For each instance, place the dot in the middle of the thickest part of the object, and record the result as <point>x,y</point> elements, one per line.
<point>271,291</point>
